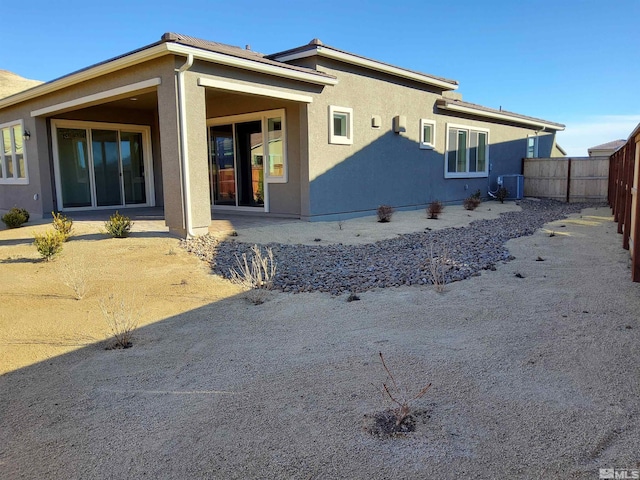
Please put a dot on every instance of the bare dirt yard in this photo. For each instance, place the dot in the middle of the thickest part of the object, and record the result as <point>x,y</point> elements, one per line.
<point>535,367</point>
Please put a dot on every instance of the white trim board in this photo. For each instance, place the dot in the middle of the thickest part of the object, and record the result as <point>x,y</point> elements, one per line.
<point>250,89</point>
<point>371,64</point>
<point>96,97</point>
<point>500,116</point>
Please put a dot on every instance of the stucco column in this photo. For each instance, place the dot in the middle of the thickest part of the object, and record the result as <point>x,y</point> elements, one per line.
<point>197,155</point>
<point>175,177</point>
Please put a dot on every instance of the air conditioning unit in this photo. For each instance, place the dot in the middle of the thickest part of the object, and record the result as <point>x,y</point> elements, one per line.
<point>514,185</point>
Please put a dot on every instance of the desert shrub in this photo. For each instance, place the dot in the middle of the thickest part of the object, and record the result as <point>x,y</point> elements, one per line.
<point>477,194</point>
<point>471,203</point>
<point>121,317</point>
<point>385,212</point>
<point>15,217</point>
<point>400,397</point>
<point>438,267</point>
<point>502,194</point>
<point>49,244</point>
<point>75,275</point>
<point>118,226</point>
<point>25,213</point>
<point>434,209</point>
<point>62,224</point>
<point>255,273</point>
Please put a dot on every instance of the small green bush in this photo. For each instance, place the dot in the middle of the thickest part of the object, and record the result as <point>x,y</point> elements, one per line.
<point>477,194</point>
<point>15,217</point>
<point>118,226</point>
<point>62,224</point>
<point>502,194</point>
<point>49,244</point>
<point>384,213</point>
<point>434,209</point>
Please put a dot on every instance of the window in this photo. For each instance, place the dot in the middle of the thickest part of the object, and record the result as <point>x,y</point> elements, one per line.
<point>427,134</point>
<point>340,125</point>
<point>532,147</point>
<point>13,160</point>
<point>467,152</point>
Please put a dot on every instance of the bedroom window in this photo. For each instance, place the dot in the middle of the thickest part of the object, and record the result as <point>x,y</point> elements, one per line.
<point>13,159</point>
<point>467,152</point>
<point>427,134</point>
<point>340,125</point>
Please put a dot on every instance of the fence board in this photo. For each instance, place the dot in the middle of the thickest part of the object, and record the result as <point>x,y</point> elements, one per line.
<point>548,178</point>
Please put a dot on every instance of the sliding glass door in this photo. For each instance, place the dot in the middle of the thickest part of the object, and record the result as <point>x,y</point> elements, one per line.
<point>246,153</point>
<point>101,165</point>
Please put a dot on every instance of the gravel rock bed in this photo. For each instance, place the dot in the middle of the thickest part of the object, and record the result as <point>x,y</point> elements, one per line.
<point>390,263</point>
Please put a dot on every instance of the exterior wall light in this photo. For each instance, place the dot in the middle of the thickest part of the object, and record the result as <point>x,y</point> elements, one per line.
<point>26,135</point>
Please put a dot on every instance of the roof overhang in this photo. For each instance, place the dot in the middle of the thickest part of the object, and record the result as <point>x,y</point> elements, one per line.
<point>156,51</point>
<point>367,63</point>
<point>499,115</point>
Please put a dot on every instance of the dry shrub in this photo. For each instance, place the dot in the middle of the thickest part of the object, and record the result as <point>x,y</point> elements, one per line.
<point>439,265</point>
<point>75,275</point>
<point>400,397</point>
<point>471,203</point>
<point>385,212</point>
<point>434,209</point>
<point>49,244</point>
<point>255,273</point>
<point>15,217</point>
<point>121,317</point>
<point>502,194</point>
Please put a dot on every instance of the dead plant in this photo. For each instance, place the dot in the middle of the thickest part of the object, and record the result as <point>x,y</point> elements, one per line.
<point>438,268</point>
<point>400,397</point>
<point>122,318</point>
<point>75,275</point>
<point>255,273</point>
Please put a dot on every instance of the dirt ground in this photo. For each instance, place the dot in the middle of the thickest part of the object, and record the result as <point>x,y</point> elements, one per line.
<point>534,367</point>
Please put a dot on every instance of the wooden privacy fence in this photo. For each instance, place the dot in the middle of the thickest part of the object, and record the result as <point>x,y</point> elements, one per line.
<point>578,179</point>
<point>623,197</point>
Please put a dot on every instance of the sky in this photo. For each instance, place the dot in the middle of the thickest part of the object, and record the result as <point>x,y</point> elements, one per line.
<point>575,62</point>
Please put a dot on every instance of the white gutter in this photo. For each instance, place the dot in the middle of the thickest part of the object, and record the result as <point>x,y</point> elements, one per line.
<point>371,64</point>
<point>184,151</point>
<point>500,116</point>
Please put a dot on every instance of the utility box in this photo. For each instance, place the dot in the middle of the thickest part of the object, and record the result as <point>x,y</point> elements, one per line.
<point>514,185</point>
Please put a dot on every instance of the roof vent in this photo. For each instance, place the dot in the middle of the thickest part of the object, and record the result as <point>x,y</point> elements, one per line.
<point>247,47</point>
<point>316,41</point>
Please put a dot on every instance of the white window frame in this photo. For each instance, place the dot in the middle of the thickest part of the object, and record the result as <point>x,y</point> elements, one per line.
<point>424,144</point>
<point>341,139</point>
<point>263,116</point>
<point>467,173</point>
<point>89,126</point>
<point>14,180</point>
<point>535,146</point>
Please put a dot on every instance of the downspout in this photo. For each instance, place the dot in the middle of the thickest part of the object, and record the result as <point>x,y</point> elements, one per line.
<point>184,157</point>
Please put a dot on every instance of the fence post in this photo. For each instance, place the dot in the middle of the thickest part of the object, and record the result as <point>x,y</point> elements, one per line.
<point>569,180</point>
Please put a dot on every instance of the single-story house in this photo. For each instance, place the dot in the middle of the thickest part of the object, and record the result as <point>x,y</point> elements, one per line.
<point>606,149</point>
<point>197,126</point>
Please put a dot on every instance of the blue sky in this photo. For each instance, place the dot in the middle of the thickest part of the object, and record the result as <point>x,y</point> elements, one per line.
<point>569,61</point>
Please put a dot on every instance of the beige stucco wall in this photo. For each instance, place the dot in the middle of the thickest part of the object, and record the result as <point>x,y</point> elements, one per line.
<point>38,152</point>
<point>380,164</point>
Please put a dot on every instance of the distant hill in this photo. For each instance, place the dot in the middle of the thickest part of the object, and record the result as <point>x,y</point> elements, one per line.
<point>11,83</point>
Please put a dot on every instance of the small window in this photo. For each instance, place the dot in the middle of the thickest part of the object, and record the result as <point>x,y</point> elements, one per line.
<point>13,159</point>
<point>467,152</point>
<point>427,134</point>
<point>532,147</point>
<point>341,125</point>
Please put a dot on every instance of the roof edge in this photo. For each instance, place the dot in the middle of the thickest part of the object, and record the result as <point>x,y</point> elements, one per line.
<point>167,45</point>
<point>481,111</point>
<point>316,47</point>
